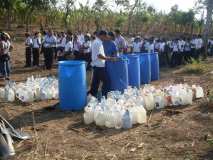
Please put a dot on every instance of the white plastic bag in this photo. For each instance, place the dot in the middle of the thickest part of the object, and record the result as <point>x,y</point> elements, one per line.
<point>199,93</point>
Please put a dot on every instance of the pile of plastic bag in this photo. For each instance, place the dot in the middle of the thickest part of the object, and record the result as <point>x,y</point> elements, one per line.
<point>124,110</point>
<point>34,89</point>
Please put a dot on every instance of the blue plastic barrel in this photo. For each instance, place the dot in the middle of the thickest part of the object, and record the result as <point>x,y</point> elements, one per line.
<point>145,68</point>
<point>72,85</point>
<point>118,74</point>
<point>155,71</point>
<point>134,70</point>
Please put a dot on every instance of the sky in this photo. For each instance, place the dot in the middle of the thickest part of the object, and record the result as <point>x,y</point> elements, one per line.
<point>160,5</point>
<point>165,5</point>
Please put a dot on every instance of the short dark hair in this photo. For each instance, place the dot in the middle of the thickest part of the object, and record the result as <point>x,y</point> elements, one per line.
<point>111,34</point>
<point>117,31</point>
<point>102,33</point>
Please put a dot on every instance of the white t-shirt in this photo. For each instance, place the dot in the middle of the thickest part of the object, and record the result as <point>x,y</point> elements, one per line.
<point>68,47</point>
<point>137,47</point>
<point>36,42</point>
<point>29,42</point>
<point>198,43</point>
<point>97,49</point>
<point>181,44</point>
<point>63,42</point>
<point>88,46</point>
<point>81,39</point>
<point>162,46</point>
<point>175,46</point>
<point>151,48</point>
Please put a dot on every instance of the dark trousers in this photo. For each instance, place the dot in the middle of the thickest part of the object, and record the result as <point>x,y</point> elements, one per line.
<point>48,58</point>
<point>99,75</point>
<point>5,65</point>
<point>28,56</point>
<point>35,56</point>
<point>174,59</point>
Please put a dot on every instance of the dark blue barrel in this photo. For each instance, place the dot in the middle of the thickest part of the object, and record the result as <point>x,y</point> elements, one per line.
<point>155,71</point>
<point>134,70</point>
<point>145,68</point>
<point>118,74</point>
<point>72,85</point>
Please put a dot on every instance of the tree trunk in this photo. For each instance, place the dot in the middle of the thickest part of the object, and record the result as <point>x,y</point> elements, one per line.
<point>207,26</point>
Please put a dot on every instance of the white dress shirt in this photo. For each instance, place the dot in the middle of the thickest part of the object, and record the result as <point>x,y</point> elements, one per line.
<point>97,49</point>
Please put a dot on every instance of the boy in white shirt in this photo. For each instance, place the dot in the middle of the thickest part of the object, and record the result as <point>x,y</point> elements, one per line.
<point>98,63</point>
<point>28,50</point>
<point>136,45</point>
<point>87,50</point>
<point>175,53</point>
<point>36,48</point>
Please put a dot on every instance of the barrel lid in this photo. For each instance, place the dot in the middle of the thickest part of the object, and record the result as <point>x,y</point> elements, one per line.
<point>71,63</point>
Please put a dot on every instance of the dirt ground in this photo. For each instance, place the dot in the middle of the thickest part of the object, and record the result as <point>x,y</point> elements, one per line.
<point>171,134</point>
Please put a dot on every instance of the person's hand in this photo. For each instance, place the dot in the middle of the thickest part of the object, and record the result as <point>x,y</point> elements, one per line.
<point>113,59</point>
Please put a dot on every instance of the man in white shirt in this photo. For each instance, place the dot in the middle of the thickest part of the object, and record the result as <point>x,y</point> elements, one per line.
<point>98,64</point>
<point>175,53</point>
<point>36,49</point>
<point>49,44</point>
<point>120,42</point>
<point>87,50</point>
<point>28,50</point>
<point>136,45</point>
<point>198,46</point>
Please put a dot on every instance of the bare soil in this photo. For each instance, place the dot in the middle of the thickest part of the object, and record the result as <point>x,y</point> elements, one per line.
<point>179,133</point>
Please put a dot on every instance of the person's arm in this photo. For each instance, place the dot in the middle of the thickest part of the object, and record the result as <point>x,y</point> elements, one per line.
<point>100,56</point>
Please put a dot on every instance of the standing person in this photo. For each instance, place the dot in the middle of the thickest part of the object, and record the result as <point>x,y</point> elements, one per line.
<point>28,50</point>
<point>87,50</point>
<point>49,43</point>
<point>68,48</point>
<point>136,45</point>
<point>109,45</point>
<point>120,42</point>
<point>98,63</point>
<point>162,53</point>
<point>76,47</point>
<point>36,49</point>
<point>181,44</point>
<point>198,46</point>
<point>175,53</point>
<point>81,38</point>
<point>151,47</point>
<point>187,51</point>
<point>5,48</point>
<point>61,43</point>
<point>193,47</point>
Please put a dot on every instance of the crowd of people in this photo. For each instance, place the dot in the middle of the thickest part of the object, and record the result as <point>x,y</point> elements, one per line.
<point>98,48</point>
<point>63,46</point>
<point>172,52</point>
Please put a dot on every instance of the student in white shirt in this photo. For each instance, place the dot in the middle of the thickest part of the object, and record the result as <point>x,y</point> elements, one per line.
<point>187,51</point>
<point>175,53</point>
<point>151,47</point>
<point>49,43</point>
<point>5,48</point>
<point>136,45</point>
<point>198,47</point>
<point>120,42</point>
<point>36,48</point>
<point>87,50</point>
<point>28,50</point>
<point>76,48</point>
<point>98,63</point>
